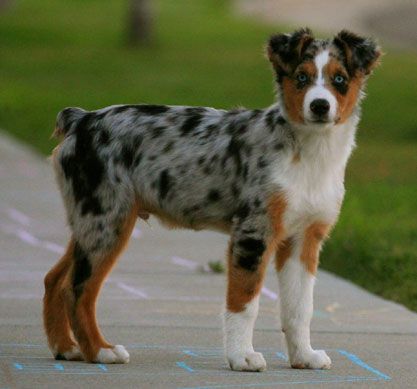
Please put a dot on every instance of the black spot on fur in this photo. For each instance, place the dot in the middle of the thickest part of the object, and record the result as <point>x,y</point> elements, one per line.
<point>255,113</point>
<point>137,160</point>
<point>164,184</point>
<point>84,168</point>
<point>127,155</point>
<point>137,141</point>
<point>213,196</point>
<point>145,109</point>
<point>92,205</point>
<point>60,357</point>
<point>82,270</point>
<point>201,160</point>
<point>278,146</point>
<point>168,147</point>
<point>149,109</point>
<point>157,132</point>
<point>235,191</point>
<point>104,138</point>
<point>281,121</point>
<point>192,121</point>
<point>250,253</point>
<point>269,120</point>
<point>243,211</point>
<point>262,162</point>
<point>233,151</point>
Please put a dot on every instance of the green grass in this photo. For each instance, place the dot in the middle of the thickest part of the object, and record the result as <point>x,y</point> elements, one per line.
<point>71,53</point>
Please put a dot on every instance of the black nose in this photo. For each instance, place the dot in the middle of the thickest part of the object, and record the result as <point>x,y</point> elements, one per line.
<point>320,107</point>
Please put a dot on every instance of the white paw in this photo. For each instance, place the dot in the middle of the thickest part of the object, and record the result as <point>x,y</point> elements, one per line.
<point>315,359</point>
<point>250,361</point>
<point>73,354</point>
<point>117,354</point>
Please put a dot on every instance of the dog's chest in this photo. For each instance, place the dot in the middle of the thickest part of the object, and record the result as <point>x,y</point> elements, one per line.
<point>313,188</point>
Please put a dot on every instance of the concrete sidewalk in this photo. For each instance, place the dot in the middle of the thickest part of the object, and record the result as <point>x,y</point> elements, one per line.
<point>166,310</point>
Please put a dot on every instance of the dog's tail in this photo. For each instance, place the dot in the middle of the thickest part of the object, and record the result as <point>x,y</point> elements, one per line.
<point>67,120</point>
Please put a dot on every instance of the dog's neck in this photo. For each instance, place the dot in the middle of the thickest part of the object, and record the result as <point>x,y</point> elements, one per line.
<point>328,146</point>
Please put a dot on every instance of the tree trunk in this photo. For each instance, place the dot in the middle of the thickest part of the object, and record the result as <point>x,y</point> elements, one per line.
<point>140,23</point>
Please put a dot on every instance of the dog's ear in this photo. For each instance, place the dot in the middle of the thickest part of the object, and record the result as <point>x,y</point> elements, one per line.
<point>286,50</point>
<point>359,53</point>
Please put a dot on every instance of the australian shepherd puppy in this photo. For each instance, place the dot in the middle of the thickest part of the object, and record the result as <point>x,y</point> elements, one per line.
<point>271,178</point>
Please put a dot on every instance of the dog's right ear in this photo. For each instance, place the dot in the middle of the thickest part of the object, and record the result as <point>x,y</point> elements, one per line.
<point>286,50</point>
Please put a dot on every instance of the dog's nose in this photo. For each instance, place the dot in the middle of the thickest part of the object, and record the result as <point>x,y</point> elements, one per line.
<point>320,107</point>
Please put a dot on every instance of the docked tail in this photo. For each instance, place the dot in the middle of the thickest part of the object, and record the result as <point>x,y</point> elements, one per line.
<point>65,120</point>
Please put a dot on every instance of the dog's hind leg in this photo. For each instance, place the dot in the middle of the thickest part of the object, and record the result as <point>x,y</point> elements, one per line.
<point>90,266</point>
<point>55,309</point>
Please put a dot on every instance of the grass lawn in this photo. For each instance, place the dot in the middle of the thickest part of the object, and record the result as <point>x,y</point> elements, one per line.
<point>72,53</point>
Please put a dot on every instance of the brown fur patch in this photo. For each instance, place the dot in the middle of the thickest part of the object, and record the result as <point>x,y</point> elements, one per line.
<point>294,96</point>
<point>276,209</point>
<point>313,236</point>
<point>55,307</point>
<point>346,103</point>
<point>283,253</point>
<point>244,285</point>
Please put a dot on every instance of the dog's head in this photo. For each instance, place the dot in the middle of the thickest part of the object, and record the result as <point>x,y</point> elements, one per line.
<point>320,81</point>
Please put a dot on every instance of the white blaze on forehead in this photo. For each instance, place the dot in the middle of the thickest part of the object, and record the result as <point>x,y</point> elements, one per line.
<point>320,61</point>
<point>319,90</point>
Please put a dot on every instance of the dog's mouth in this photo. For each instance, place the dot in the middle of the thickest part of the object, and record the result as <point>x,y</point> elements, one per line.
<point>320,121</point>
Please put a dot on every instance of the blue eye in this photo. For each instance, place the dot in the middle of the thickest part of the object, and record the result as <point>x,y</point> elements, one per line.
<point>302,78</point>
<point>339,79</point>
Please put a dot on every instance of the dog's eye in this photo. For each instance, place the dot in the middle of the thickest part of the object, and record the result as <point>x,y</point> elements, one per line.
<point>339,79</point>
<point>302,78</point>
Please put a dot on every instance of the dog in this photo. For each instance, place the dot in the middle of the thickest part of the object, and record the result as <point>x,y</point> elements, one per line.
<point>271,178</point>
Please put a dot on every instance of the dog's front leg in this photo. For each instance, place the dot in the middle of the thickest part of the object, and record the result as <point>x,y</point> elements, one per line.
<point>297,261</point>
<point>247,261</point>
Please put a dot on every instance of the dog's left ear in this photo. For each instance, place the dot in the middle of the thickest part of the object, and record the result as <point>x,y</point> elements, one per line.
<point>359,53</point>
<point>286,50</point>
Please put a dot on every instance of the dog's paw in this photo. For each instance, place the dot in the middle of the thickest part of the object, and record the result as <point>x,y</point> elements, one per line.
<point>73,354</point>
<point>250,361</point>
<point>117,354</point>
<point>315,359</point>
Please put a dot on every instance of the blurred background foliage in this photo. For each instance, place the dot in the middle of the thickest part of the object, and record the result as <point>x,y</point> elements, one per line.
<point>57,53</point>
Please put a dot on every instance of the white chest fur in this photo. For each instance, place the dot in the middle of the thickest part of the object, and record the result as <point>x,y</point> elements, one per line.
<point>313,181</point>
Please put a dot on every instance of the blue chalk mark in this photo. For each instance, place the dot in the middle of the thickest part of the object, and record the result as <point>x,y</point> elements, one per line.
<point>59,366</point>
<point>190,353</point>
<point>18,366</point>
<point>269,384</point>
<point>102,367</point>
<point>355,359</point>
<point>281,356</point>
<point>184,366</point>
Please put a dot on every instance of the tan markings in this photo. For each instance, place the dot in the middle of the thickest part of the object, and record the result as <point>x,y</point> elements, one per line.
<point>83,318</point>
<point>276,209</point>
<point>293,95</point>
<point>313,236</point>
<point>243,285</point>
<point>55,307</point>
<point>345,103</point>
<point>296,157</point>
<point>283,253</point>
